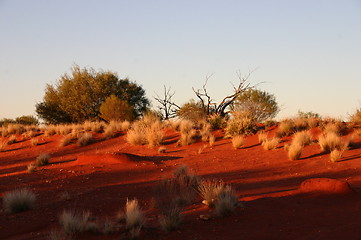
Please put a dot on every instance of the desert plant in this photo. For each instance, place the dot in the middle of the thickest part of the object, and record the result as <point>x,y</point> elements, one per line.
<point>34,141</point>
<point>240,124</point>
<point>19,200</point>
<point>330,141</point>
<point>74,222</point>
<point>193,111</point>
<point>261,105</point>
<point>171,220</point>
<point>3,144</point>
<point>109,132</point>
<point>66,140</point>
<point>154,135</point>
<point>114,108</point>
<point>302,138</point>
<point>212,140</point>
<point>226,201</point>
<point>42,159</point>
<point>125,125</point>
<point>57,235</point>
<point>12,139</point>
<point>134,216</point>
<point>285,128</point>
<point>209,190</point>
<point>31,168</point>
<point>262,136</point>
<point>237,141</point>
<point>108,227</point>
<point>271,143</point>
<point>85,139</point>
<point>356,116</point>
<point>336,154</point>
<point>216,121</point>
<point>136,135</point>
<point>295,151</point>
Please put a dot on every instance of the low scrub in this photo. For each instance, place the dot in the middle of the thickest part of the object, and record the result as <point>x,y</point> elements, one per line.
<point>209,190</point>
<point>295,151</point>
<point>19,200</point>
<point>85,139</point>
<point>74,222</point>
<point>303,138</point>
<point>66,140</point>
<point>330,141</point>
<point>226,201</point>
<point>133,214</point>
<point>240,124</point>
<point>271,143</point>
<point>262,136</point>
<point>237,141</point>
<point>42,159</point>
<point>336,155</point>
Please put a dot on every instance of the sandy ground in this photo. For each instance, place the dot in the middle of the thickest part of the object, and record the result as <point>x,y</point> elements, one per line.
<point>101,176</point>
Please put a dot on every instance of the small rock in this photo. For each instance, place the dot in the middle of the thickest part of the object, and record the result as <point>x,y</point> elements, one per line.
<point>204,217</point>
<point>161,169</point>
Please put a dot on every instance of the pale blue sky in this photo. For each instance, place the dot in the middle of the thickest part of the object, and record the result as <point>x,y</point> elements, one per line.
<point>308,52</point>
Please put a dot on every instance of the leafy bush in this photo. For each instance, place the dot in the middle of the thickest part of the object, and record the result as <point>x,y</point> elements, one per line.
<point>77,97</point>
<point>115,109</point>
<point>261,105</point>
<point>18,200</point>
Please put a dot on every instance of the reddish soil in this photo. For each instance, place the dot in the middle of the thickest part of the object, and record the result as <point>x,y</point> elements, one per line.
<point>310,198</point>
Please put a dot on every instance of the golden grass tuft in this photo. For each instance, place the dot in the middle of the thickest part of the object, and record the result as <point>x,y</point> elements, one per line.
<point>295,151</point>
<point>237,141</point>
<point>303,138</point>
<point>330,141</point>
<point>336,155</point>
<point>18,200</point>
<point>271,143</point>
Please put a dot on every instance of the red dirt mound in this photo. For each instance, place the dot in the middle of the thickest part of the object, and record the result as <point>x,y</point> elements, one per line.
<point>107,158</point>
<point>325,185</point>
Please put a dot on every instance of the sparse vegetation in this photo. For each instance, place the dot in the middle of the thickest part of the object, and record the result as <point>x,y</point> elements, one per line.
<point>226,201</point>
<point>237,141</point>
<point>240,124</point>
<point>19,200</point>
<point>330,141</point>
<point>271,143</point>
<point>336,154</point>
<point>74,222</point>
<point>42,159</point>
<point>295,151</point>
<point>133,214</point>
<point>85,139</point>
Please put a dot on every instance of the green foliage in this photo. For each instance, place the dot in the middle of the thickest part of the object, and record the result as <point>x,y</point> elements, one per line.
<point>115,109</point>
<point>78,97</point>
<point>193,111</point>
<point>27,120</point>
<point>310,114</point>
<point>261,105</point>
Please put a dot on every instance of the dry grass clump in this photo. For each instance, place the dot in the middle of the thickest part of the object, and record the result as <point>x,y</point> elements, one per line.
<point>109,131</point>
<point>356,117</point>
<point>271,143</point>
<point>188,133</point>
<point>66,140</point>
<point>237,141</point>
<point>335,126</point>
<point>50,130</point>
<point>146,131</point>
<point>74,222</point>
<point>226,202</point>
<point>154,134</point>
<point>295,151</point>
<point>303,138</point>
<point>262,136</point>
<point>162,149</point>
<point>134,216</point>
<point>330,141</point>
<point>19,200</point>
<point>34,141</point>
<point>209,190</point>
<point>125,126</point>
<point>85,139</point>
<point>42,159</point>
<point>212,140</point>
<point>136,134</point>
<point>31,168</point>
<point>336,155</point>
<point>12,139</point>
<point>285,128</point>
<point>240,124</point>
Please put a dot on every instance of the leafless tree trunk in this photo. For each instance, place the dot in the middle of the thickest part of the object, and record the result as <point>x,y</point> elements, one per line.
<point>167,106</point>
<point>221,108</point>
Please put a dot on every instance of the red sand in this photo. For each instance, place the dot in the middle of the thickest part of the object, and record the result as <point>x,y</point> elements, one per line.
<point>282,199</point>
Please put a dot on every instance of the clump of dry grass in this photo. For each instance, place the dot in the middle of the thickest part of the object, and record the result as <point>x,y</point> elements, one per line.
<point>271,143</point>
<point>125,126</point>
<point>336,154</point>
<point>212,140</point>
<point>34,141</point>
<point>109,131</point>
<point>42,159</point>
<point>134,216</point>
<point>226,202</point>
<point>154,134</point>
<point>209,190</point>
<point>303,138</point>
<point>330,141</point>
<point>12,139</point>
<point>85,139</point>
<point>285,128</point>
<point>66,140</point>
<point>237,141</point>
<point>262,136</point>
<point>74,222</point>
<point>241,123</point>
<point>295,151</point>
<point>31,168</point>
<point>19,200</point>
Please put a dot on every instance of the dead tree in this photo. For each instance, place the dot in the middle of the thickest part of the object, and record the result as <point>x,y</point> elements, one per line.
<point>221,108</point>
<point>167,106</point>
